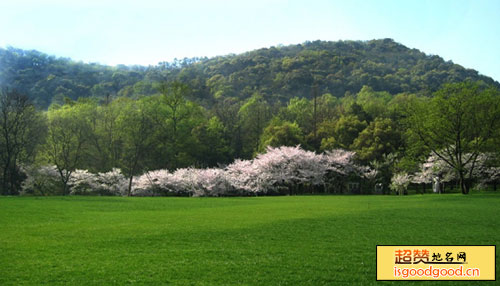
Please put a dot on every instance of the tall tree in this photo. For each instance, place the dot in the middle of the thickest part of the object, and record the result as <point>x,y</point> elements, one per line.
<point>211,146</point>
<point>227,112</point>
<point>21,131</point>
<point>457,124</point>
<point>136,129</point>
<point>69,131</point>
<point>175,117</point>
<point>253,115</point>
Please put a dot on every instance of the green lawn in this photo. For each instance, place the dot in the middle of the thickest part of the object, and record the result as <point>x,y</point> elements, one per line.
<point>298,240</point>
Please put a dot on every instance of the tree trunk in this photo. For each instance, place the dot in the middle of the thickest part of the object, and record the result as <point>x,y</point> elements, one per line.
<point>129,191</point>
<point>463,184</point>
<point>65,188</point>
<point>5,180</point>
<point>14,179</point>
<point>4,183</point>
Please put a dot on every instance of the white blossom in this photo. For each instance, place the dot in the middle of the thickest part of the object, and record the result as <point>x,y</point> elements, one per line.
<point>112,182</point>
<point>276,169</point>
<point>41,180</point>
<point>109,183</point>
<point>82,182</point>
<point>400,182</point>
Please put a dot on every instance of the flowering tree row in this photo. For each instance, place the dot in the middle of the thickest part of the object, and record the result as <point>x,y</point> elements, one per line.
<point>277,170</point>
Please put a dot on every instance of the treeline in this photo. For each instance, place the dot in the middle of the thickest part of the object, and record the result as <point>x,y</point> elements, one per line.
<point>278,74</point>
<point>167,131</point>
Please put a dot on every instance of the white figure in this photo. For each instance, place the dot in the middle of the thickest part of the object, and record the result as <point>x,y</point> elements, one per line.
<point>437,185</point>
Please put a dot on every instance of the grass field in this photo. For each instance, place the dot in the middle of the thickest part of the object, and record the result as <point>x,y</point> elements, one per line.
<point>298,240</point>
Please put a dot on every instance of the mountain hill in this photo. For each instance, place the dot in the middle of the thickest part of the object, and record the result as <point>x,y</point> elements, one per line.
<point>277,73</point>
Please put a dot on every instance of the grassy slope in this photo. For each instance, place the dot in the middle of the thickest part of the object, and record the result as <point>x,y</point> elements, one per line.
<point>320,240</point>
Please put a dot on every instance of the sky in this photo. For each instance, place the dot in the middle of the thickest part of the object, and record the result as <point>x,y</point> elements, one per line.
<point>147,32</point>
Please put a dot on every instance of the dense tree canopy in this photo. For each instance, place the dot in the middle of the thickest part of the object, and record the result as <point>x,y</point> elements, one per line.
<point>388,106</point>
<point>277,73</point>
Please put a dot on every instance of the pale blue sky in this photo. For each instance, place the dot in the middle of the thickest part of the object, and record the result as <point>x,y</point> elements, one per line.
<point>147,32</point>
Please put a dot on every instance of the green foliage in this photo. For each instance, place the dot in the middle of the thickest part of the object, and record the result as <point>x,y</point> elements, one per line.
<point>254,116</point>
<point>176,117</point>
<point>300,111</point>
<point>336,67</point>
<point>457,124</point>
<point>327,107</point>
<point>211,147</point>
<point>280,73</point>
<point>69,131</point>
<point>43,77</point>
<point>136,130</point>
<point>380,138</point>
<point>106,139</point>
<point>22,130</point>
<point>341,133</point>
<point>281,133</point>
<point>373,103</point>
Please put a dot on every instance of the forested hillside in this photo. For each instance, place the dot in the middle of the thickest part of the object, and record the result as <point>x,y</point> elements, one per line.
<point>390,105</point>
<point>277,73</point>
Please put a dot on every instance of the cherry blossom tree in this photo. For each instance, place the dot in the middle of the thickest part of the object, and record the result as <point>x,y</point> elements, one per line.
<point>487,171</point>
<point>151,183</point>
<point>340,166</point>
<point>243,175</point>
<point>209,182</point>
<point>112,182</point>
<point>184,181</point>
<point>82,182</point>
<point>492,176</point>
<point>400,183</point>
<point>288,167</point>
<point>41,180</point>
<point>434,167</point>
